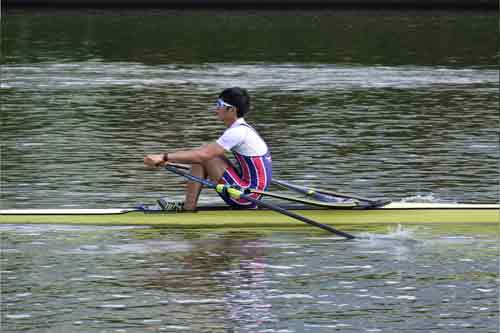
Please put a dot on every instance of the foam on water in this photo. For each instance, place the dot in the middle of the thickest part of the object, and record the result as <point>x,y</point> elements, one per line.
<point>424,198</point>
<point>398,233</point>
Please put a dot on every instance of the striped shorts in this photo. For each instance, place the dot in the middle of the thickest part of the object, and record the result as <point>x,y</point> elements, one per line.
<point>253,172</point>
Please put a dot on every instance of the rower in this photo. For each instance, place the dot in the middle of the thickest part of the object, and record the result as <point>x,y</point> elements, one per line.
<point>252,167</point>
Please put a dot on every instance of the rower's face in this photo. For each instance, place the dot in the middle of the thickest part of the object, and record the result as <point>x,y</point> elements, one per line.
<point>224,113</point>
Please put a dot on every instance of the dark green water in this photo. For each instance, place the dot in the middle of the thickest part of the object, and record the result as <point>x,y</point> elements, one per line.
<point>400,105</point>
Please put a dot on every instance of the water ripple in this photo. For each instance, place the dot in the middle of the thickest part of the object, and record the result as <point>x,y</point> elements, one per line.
<point>216,76</point>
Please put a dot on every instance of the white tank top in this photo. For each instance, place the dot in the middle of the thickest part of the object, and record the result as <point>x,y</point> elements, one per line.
<point>242,139</point>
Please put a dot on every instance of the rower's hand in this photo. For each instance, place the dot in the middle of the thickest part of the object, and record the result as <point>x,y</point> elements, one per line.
<point>154,160</point>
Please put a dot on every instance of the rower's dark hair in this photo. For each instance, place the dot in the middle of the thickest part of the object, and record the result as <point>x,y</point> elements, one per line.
<point>238,97</point>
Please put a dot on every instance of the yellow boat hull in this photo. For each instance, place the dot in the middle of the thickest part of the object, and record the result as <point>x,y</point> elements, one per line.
<point>390,214</point>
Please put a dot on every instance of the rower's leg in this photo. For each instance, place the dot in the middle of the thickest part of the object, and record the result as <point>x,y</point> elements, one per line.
<point>193,189</point>
<point>216,167</point>
<point>213,169</point>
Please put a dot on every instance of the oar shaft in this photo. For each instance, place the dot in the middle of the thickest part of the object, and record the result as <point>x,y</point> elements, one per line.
<point>239,194</point>
<point>297,216</point>
<point>175,168</point>
<point>319,193</point>
<point>314,201</point>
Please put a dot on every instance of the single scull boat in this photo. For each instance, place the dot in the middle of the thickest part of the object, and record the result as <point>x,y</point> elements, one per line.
<point>223,217</point>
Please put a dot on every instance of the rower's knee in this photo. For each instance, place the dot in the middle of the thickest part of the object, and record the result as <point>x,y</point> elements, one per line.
<point>215,168</point>
<point>198,170</point>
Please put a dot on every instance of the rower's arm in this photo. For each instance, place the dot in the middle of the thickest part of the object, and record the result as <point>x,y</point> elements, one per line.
<point>195,156</point>
<point>199,155</point>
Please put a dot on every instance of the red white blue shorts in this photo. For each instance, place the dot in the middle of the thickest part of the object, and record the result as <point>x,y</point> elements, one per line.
<point>253,172</point>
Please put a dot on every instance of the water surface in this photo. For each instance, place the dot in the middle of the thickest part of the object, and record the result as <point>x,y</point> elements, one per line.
<point>399,105</point>
<point>110,279</point>
<point>385,104</point>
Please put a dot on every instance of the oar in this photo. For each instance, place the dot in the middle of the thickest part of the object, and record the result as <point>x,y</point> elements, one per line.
<point>319,201</point>
<point>306,201</point>
<point>321,195</point>
<point>237,194</point>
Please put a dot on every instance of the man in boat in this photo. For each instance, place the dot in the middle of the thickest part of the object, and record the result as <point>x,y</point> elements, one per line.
<point>252,167</point>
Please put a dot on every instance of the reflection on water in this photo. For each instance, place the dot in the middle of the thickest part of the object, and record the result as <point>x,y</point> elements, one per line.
<point>384,104</point>
<point>396,105</point>
<point>216,76</point>
<point>391,105</point>
<point>393,38</point>
<point>145,279</point>
<point>86,94</point>
<point>74,134</point>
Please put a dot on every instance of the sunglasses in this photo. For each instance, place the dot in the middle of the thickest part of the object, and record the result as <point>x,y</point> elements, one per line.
<point>220,104</point>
